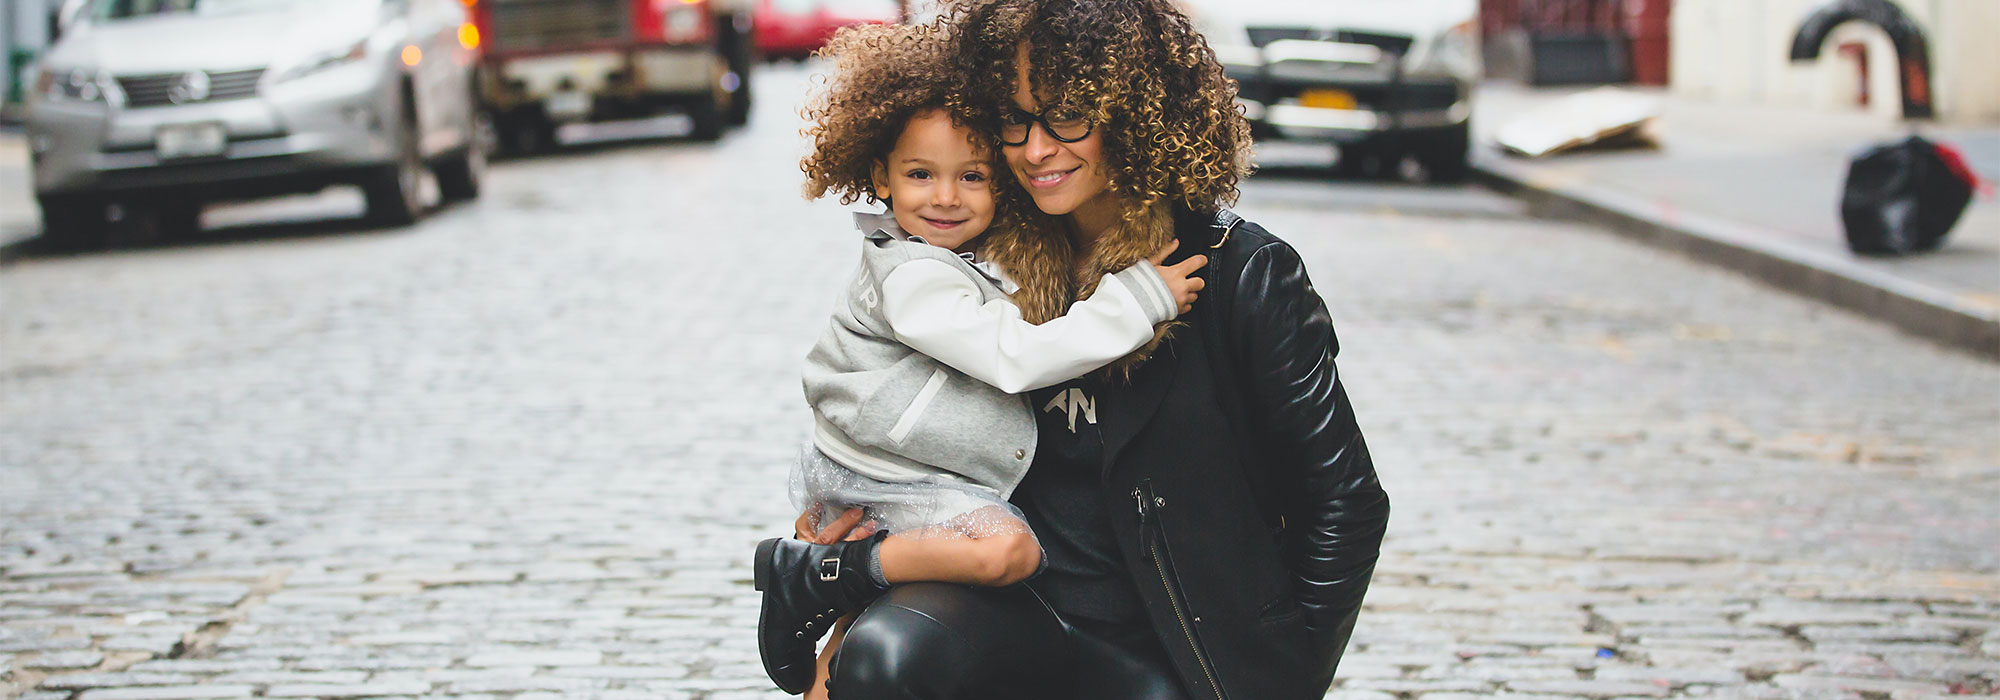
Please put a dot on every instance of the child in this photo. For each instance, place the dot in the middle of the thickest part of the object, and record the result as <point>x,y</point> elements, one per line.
<point>914,387</point>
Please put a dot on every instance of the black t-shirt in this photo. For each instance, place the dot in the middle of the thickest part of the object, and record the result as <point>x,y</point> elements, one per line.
<point>1086,578</point>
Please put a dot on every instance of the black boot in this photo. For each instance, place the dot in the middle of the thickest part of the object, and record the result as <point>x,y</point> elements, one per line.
<point>808,587</point>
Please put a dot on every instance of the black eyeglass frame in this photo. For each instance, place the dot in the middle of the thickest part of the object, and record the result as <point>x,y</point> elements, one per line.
<point>999,131</point>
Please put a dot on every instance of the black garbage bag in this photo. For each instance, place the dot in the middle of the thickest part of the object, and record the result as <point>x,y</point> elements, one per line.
<point>1904,197</point>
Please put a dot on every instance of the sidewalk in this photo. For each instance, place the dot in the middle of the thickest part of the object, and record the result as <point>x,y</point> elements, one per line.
<point>1757,189</point>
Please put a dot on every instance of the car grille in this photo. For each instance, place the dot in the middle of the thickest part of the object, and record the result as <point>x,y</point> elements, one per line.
<point>1404,97</point>
<point>1422,97</point>
<point>533,24</point>
<point>153,90</point>
<point>1392,43</point>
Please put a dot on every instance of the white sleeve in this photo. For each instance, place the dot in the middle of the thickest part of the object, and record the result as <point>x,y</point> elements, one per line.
<point>935,309</point>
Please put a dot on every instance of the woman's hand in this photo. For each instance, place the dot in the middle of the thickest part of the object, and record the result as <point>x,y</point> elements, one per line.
<point>1184,288</point>
<point>840,529</point>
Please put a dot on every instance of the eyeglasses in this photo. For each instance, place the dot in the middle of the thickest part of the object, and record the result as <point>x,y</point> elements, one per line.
<point>1066,124</point>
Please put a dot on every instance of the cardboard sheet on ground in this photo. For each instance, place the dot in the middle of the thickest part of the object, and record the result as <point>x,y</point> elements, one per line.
<point>1601,118</point>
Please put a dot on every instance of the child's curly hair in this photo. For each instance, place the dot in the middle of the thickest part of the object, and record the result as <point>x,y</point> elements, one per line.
<point>882,76</point>
<point>1173,131</point>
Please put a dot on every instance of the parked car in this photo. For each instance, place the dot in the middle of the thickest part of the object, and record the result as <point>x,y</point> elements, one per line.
<point>553,62</point>
<point>162,106</point>
<point>796,28</point>
<point>1381,78</point>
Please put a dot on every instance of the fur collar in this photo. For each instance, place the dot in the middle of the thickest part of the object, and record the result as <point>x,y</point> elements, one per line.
<point>1052,274</point>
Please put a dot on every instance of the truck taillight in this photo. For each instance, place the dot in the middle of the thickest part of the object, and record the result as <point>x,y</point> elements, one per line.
<point>480,27</point>
<point>672,21</point>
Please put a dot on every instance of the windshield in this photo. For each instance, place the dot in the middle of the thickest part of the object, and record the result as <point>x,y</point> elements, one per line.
<point>122,9</point>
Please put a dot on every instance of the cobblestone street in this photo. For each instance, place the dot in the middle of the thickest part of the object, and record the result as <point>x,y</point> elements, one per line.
<point>523,449</point>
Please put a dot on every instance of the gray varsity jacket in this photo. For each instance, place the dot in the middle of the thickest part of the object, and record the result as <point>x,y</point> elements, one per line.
<point>921,370</point>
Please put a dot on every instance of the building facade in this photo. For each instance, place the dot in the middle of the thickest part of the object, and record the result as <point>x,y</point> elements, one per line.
<point>1917,59</point>
<point>1901,59</point>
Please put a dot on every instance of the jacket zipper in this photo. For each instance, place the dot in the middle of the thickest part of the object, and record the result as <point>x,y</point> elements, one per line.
<point>1149,541</point>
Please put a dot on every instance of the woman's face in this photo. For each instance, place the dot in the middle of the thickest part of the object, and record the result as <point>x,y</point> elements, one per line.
<point>1064,179</point>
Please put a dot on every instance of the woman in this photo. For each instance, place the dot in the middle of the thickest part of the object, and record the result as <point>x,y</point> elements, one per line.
<point>1209,509</point>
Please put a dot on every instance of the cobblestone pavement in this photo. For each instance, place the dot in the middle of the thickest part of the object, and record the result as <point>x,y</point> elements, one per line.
<point>523,451</point>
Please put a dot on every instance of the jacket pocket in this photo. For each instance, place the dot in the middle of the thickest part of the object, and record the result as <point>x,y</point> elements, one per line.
<point>908,421</point>
<point>1284,609</point>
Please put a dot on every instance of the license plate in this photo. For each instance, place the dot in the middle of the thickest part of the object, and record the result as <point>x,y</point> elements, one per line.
<point>190,141</point>
<point>567,106</point>
<point>1327,98</point>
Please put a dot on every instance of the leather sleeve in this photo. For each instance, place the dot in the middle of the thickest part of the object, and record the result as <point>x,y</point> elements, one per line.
<point>1337,511</point>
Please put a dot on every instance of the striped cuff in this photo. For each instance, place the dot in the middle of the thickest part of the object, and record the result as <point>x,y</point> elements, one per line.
<point>1146,285</point>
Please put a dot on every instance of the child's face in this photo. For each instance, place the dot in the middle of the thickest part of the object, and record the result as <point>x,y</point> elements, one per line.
<point>937,183</point>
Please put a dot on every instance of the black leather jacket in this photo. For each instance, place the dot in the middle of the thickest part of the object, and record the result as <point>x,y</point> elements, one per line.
<point>1254,517</point>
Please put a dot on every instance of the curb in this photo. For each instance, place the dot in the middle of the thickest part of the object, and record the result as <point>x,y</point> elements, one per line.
<point>1915,308</point>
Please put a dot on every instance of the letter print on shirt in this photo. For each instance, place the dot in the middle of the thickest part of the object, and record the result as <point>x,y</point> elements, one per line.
<point>865,285</point>
<point>1073,402</point>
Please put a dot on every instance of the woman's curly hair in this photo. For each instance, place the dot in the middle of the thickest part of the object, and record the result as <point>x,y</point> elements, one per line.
<point>1173,131</point>
<point>882,75</point>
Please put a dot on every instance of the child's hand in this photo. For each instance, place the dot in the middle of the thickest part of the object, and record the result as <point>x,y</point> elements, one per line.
<point>841,529</point>
<point>1185,288</point>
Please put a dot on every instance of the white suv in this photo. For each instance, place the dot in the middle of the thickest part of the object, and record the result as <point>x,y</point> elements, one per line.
<point>164,105</point>
<point>1381,78</point>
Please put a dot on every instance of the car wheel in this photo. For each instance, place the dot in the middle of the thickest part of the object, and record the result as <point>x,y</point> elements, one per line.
<point>177,219</point>
<point>459,175</point>
<point>525,133</point>
<point>1365,160</point>
<point>395,193</point>
<point>1446,155</point>
<point>73,221</point>
<point>739,102</point>
<point>742,59</point>
<point>707,115</point>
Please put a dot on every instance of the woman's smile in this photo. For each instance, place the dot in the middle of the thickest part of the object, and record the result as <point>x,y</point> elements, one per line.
<point>1050,179</point>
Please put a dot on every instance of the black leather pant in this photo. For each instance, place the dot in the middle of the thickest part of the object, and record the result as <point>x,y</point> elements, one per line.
<point>938,641</point>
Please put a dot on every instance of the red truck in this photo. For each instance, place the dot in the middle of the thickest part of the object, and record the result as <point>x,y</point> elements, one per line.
<point>796,28</point>
<point>551,62</point>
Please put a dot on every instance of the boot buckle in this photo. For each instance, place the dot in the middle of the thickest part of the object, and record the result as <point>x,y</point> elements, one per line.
<point>829,569</point>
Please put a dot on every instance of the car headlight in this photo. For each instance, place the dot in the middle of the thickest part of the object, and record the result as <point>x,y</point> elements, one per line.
<point>1452,53</point>
<point>1458,48</point>
<point>326,61</point>
<point>75,85</point>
